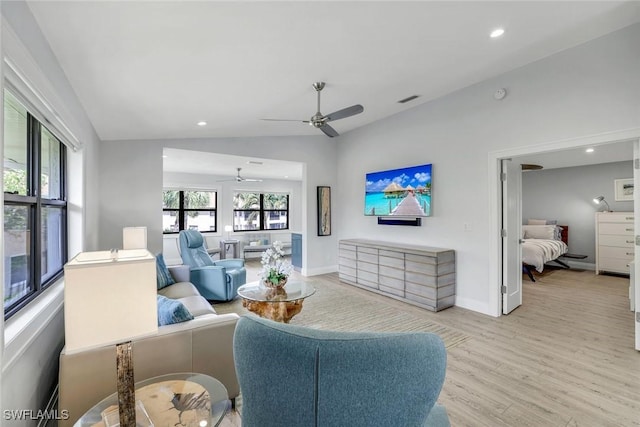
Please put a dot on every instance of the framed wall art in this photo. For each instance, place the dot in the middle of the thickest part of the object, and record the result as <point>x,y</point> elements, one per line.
<point>324,211</point>
<point>623,189</point>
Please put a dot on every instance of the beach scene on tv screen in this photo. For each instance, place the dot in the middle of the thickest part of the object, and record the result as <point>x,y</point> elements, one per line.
<point>399,192</point>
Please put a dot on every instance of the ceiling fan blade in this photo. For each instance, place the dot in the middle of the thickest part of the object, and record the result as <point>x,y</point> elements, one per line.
<point>251,180</point>
<point>345,112</point>
<point>328,130</point>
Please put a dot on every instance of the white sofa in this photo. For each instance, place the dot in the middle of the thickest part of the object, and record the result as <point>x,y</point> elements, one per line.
<point>253,245</point>
<point>203,345</point>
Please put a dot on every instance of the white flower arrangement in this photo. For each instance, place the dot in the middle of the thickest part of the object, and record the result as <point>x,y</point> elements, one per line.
<point>274,268</point>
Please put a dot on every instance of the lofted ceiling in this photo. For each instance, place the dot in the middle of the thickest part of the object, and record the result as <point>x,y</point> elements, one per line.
<point>153,69</point>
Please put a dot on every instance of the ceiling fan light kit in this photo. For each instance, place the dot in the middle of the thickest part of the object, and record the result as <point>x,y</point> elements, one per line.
<point>320,121</point>
<point>239,178</point>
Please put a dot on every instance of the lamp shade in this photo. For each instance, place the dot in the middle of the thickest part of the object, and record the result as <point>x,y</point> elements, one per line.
<point>228,228</point>
<point>109,300</point>
<point>601,201</point>
<point>134,238</point>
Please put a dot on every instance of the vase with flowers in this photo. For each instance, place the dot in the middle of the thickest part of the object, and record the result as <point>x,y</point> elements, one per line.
<point>275,269</point>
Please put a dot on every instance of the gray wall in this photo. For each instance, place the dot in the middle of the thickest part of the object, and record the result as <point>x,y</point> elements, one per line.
<point>131,180</point>
<point>566,194</point>
<point>591,89</point>
<point>34,337</point>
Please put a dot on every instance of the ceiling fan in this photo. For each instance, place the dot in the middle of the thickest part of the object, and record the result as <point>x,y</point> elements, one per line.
<point>320,121</point>
<point>239,178</point>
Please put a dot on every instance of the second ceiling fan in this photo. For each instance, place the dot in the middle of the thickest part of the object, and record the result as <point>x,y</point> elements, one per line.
<point>320,121</point>
<point>239,178</point>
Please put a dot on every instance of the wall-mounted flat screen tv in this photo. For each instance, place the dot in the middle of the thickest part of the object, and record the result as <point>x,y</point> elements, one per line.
<point>399,192</point>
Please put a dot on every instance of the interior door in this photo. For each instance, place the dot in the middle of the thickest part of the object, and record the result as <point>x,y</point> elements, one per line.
<point>635,282</point>
<point>511,230</point>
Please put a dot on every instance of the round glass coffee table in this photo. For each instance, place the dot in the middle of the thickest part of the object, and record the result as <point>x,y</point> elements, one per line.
<point>186,399</point>
<point>275,304</point>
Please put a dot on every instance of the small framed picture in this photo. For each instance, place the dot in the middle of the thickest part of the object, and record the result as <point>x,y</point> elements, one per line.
<point>623,189</point>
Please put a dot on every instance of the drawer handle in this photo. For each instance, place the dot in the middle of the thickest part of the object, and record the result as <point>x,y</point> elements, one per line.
<point>629,218</point>
<point>628,229</point>
<point>629,253</point>
<point>629,241</point>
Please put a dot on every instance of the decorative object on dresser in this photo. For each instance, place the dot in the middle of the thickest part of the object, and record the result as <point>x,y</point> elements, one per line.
<point>614,242</point>
<point>420,275</point>
<point>110,298</point>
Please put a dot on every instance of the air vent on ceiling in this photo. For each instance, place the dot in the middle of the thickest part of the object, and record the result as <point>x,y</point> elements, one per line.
<point>410,98</point>
<point>254,162</point>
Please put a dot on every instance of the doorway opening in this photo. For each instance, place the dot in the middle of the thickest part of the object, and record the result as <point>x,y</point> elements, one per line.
<point>553,152</point>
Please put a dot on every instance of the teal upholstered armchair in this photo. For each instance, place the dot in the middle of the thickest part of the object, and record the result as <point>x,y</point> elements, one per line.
<point>295,376</point>
<point>215,280</point>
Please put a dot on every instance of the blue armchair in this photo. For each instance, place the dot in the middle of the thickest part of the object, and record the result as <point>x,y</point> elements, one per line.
<point>295,376</point>
<point>215,280</point>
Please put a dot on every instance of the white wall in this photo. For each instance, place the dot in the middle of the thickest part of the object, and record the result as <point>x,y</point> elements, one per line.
<point>590,89</point>
<point>34,337</point>
<point>225,191</point>
<point>131,181</point>
<point>566,194</point>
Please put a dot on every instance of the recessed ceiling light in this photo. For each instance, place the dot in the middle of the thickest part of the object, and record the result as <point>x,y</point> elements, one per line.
<point>496,33</point>
<point>286,176</point>
<point>164,156</point>
<point>202,123</point>
<point>589,150</point>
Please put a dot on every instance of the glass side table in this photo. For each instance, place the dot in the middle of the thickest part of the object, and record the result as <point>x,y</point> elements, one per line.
<point>186,399</point>
<point>275,304</point>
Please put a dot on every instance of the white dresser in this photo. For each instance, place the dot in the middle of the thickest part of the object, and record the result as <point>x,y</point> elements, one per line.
<point>614,242</point>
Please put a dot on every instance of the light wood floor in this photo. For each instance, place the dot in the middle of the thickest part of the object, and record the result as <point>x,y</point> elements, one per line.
<point>564,358</point>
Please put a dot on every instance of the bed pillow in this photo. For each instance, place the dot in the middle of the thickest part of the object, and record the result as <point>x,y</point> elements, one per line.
<point>557,233</point>
<point>539,232</point>
<point>542,222</point>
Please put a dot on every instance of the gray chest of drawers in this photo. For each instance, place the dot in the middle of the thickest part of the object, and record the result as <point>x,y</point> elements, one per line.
<point>420,275</point>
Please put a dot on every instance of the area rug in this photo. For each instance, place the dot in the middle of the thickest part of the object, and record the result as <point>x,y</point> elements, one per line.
<point>340,307</point>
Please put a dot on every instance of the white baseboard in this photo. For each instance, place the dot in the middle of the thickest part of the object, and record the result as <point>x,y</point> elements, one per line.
<point>319,270</point>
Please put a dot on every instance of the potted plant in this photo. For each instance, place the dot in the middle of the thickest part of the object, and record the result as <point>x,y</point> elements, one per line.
<point>275,270</point>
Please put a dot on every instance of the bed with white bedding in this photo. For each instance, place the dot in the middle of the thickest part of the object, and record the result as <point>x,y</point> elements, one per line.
<point>537,252</point>
<point>542,244</point>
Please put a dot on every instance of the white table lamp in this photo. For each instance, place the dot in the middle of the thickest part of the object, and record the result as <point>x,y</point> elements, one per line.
<point>228,229</point>
<point>134,238</point>
<point>110,299</point>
